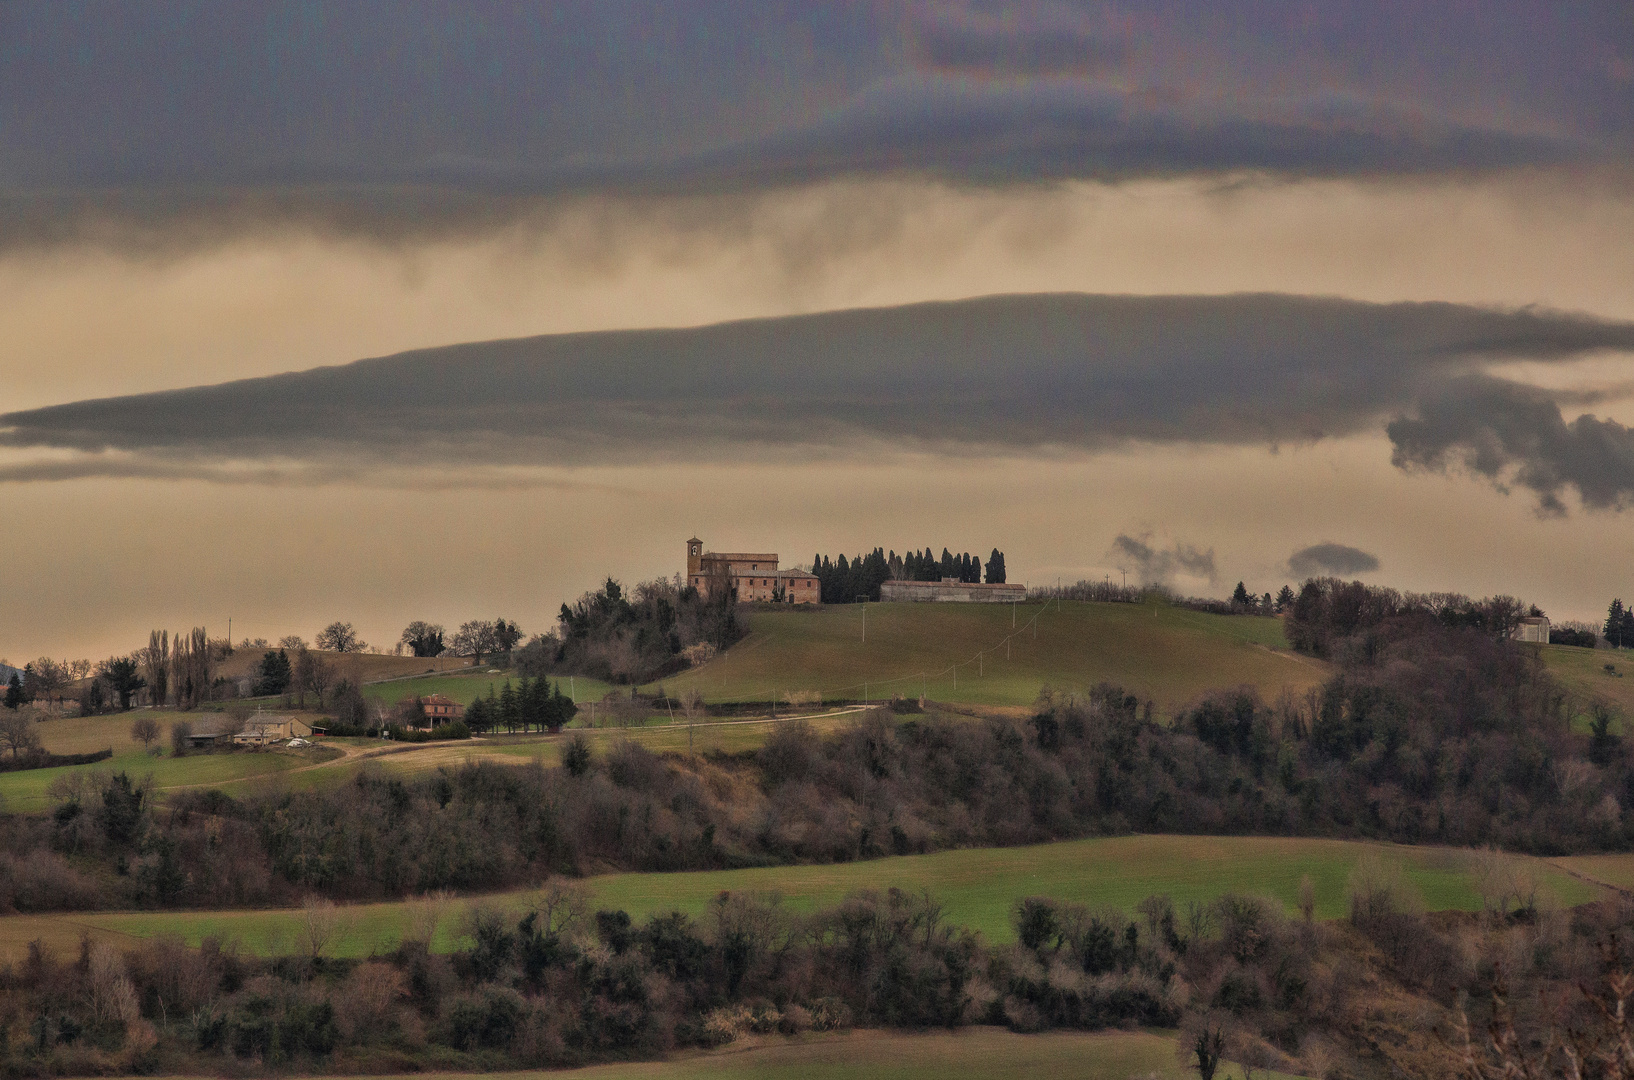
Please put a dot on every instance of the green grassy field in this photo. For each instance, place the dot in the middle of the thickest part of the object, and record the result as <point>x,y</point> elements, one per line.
<point>1169,654</point>
<point>986,1052</point>
<point>25,791</point>
<point>977,888</point>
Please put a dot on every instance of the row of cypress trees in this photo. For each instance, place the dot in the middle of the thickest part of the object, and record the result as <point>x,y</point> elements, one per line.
<point>842,581</point>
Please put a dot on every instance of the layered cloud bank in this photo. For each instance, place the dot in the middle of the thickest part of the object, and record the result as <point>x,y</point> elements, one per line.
<point>405,117</point>
<point>1006,375</point>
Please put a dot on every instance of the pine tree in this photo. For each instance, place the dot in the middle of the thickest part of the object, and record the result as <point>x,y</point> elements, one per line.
<point>509,713</point>
<point>1239,596</point>
<point>562,709</point>
<point>476,716</point>
<point>995,568</point>
<point>1616,622</point>
<point>14,692</point>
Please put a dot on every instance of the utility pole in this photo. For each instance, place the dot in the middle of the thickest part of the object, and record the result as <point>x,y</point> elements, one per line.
<point>864,599</point>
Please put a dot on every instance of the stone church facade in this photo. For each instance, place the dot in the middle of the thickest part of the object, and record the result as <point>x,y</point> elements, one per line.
<point>754,575</point>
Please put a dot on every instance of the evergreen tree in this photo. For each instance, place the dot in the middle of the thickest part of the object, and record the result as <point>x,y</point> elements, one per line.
<point>1616,622</point>
<point>14,692</point>
<point>995,568</point>
<point>527,704</point>
<point>509,712</point>
<point>1284,600</point>
<point>477,717</point>
<point>562,709</point>
<point>1240,597</point>
<point>275,673</point>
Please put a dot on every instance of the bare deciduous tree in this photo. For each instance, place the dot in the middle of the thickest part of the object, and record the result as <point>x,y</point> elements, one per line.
<point>144,729</point>
<point>50,677</point>
<point>156,666</point>
<point>314,673</point>
<point>340,637</point>
<point>563,905</point>
<point>425,913</point>
<point>18,730</point>
<point>320,925</point>
<point>692,703</point>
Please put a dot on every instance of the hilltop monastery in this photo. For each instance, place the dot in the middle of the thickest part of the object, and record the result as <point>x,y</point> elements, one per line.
<point>754,575</point>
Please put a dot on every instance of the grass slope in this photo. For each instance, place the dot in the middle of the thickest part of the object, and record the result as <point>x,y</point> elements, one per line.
<point>25,791</point>
<point>88,734</point>
<point>987,1052</point>
<point>1169,654</point>
<point>1583,673</point>
<point>246,663</point>
<point>1616,871</point>
<point>977,888</point>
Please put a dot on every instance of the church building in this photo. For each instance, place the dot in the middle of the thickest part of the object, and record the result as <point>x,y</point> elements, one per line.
<point>753,575</point>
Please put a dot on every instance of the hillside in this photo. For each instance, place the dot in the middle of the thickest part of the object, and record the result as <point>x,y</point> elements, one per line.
<point>1593,675</point>
<point>364,667</point>
<point>991,655</point>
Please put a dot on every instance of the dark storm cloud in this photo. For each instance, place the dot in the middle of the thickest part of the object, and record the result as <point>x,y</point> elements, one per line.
<point>1330,558</point>
<point>1037,374</point>
<point>1517,435</point>
<point>1155,565</point>
<point>384,117</point>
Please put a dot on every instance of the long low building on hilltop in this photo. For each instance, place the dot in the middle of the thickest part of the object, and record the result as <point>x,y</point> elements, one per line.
<point>951,591</point>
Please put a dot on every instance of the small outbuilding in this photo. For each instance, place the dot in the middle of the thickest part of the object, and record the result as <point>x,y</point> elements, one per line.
<point>1533,628</point>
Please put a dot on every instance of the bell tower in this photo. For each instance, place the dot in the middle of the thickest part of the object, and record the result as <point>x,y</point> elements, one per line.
<point>695,553</point>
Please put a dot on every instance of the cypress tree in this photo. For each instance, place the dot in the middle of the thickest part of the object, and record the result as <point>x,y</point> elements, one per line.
<point>509,713</point>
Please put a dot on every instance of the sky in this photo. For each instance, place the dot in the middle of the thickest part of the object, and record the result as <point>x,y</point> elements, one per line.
<point>397,311</point>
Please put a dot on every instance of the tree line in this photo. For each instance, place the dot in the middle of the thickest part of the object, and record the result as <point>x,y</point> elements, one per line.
<point>842,581</point>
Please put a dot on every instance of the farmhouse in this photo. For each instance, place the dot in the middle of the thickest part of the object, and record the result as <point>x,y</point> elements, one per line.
<point>951,591</point>
<point>754,576</point>
<point>442,710</point>
<point>267,728</point>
